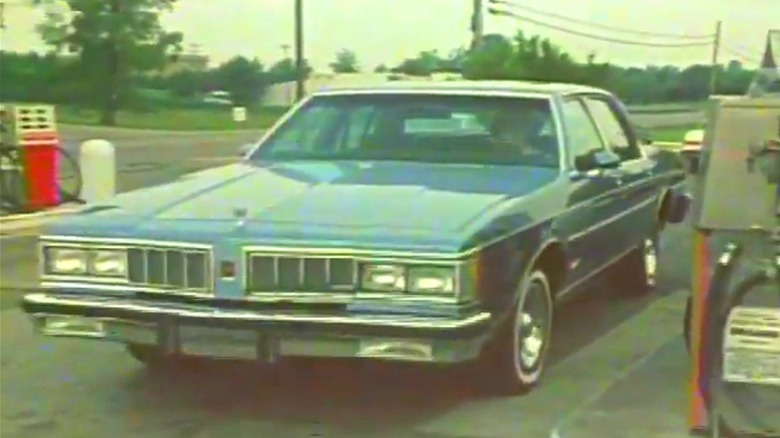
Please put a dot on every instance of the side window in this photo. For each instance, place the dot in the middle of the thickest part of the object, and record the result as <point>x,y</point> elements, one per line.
<point>614,133</point>
<point>583,137</point>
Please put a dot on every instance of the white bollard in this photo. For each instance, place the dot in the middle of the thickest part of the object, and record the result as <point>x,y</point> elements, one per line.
<point>239,114</point>
<point>97,162</point>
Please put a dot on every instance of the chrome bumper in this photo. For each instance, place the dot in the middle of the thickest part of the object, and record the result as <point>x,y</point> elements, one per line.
<point>264,336</point>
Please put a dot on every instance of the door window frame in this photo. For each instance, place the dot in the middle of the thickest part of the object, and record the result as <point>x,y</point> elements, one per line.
<point>621,116</point>
<point>570,157</point>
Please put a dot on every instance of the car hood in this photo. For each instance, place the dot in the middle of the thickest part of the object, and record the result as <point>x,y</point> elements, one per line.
<point>384,195</point>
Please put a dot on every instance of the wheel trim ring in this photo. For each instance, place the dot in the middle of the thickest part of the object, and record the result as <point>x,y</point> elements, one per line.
<point>538,286</point>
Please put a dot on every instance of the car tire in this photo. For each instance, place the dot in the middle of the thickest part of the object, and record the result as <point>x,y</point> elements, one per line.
<point>638,271</point>
<point>148,355</point>
<point>513,361</point>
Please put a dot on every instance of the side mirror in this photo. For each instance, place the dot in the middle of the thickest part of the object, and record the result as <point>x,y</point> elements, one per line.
<point>606,160</point>
<point>244,149</point>
<point>597,160</point>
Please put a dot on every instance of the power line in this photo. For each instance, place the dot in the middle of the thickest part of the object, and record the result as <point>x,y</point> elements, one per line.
<point>514,5</point>
<point>597,37</point>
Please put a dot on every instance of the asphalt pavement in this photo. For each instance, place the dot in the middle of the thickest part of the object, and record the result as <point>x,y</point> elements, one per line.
<point>72,388</point>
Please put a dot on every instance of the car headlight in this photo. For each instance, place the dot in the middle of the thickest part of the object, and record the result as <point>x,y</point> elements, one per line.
<point>78,261</point>
<point>108,263</point>
<point>432,280</point>
<point>383,278</point>
<point>67,261</point>
<point>412,279</point>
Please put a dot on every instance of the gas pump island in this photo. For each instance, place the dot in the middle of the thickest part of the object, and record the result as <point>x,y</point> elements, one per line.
<point>735,306</point>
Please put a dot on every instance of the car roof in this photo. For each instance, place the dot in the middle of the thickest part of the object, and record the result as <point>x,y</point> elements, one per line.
<point>464,87</point>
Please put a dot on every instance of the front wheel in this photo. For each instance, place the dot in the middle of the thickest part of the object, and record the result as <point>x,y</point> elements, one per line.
<point>514,360</point>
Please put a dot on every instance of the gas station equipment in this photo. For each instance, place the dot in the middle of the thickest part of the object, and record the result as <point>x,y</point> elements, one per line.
<point>735,376</point>
<point>31,155</point>
<point>31,128</point>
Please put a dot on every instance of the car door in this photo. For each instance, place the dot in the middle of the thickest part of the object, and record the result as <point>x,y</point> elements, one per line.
<point>591,195</point>
<point>638,192</point>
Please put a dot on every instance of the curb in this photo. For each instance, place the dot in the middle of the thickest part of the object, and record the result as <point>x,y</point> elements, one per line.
<point>19,222</point>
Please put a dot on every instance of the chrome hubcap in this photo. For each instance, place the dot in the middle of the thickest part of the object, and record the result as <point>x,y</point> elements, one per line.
<point>534,327</point>
<point>651,262</point>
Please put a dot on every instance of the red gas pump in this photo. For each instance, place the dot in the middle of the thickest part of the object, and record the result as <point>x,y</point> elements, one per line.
<point>31,130</point>
<point>40,162</point>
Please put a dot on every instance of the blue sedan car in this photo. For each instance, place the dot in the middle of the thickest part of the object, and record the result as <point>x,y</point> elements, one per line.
<point>427,222</point>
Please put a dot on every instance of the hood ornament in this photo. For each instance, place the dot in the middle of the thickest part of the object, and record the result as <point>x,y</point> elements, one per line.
<point>240,212</point>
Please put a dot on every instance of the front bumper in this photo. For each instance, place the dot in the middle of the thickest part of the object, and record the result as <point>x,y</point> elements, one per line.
<point>259,335</point>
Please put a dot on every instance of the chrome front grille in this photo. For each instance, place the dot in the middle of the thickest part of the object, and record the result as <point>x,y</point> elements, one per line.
<point>168,268</point>
<point>272,273</point>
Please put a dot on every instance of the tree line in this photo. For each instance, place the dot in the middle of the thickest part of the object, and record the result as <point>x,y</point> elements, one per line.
<point>118,49</point>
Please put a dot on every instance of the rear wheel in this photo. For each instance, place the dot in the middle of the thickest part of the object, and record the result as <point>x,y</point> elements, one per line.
<point>513,362</point>
<point>149,355</point>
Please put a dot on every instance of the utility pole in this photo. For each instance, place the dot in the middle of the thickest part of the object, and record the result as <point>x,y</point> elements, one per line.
<point>2,15</point>
<point>477,24</point>
<point>286,55</point>
<point>299,67</point>
<point>715,51</point>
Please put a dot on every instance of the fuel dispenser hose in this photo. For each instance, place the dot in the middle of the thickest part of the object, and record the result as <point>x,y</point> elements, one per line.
<point>720,301</point>
<point>12,178</point>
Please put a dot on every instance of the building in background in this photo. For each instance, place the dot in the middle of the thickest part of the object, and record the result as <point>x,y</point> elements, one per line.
<point>283,94</point>
<point>195,62</point>
<point>768,77</point>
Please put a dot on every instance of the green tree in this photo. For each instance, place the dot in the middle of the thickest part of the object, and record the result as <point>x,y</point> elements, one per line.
<point>186,84</point>
<point>424,64</point>
<point>244,79</point>
<point>490,59</point>
<point>285,71</point>
<point>346,62</point>
<point>114,40</point>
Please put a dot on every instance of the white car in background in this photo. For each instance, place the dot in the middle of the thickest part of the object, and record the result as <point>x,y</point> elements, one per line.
<point>693,141</point>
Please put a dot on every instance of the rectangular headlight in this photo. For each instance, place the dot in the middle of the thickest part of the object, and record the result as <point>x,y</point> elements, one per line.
<point>66,261</point>
<point>108,263</point>
<point>383,278</point>
<point>438,279</point>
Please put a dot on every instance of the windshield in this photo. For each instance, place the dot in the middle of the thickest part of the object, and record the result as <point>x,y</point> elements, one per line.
<point>418,127</point>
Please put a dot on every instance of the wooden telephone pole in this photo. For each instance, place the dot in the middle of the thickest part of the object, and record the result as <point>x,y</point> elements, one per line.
<point>300,74</point>
<point>715,52</point>
<point>477,24</point>
<point>2,15</point>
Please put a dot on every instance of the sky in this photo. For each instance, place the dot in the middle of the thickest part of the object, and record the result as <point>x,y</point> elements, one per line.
<point>388,31</point>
